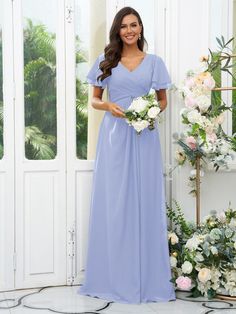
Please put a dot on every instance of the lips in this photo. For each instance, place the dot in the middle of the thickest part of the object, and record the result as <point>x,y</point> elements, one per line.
<point>129,37</point>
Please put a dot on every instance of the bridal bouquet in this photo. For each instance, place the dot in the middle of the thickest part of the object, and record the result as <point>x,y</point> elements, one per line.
<point>143,113</point>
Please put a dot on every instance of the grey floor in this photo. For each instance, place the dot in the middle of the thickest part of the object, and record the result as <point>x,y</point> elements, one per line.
<point>64,299</point>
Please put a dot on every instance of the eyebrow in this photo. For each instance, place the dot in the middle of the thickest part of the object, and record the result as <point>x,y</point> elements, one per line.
<point>130,23</point>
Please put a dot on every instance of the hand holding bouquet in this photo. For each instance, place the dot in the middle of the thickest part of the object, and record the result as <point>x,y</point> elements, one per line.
<point>143,113</point>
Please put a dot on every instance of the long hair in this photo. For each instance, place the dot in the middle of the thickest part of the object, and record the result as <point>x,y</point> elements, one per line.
<point>112,51</point>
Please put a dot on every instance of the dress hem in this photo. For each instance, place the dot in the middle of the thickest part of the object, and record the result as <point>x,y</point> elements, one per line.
<point>108,297</point>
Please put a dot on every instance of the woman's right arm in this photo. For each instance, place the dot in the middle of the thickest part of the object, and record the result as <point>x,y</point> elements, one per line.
<point>99,104</point>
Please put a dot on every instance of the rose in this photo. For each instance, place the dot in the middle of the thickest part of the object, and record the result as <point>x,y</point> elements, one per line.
<point>189,82</point>
<point>140,125</point>
<point>194,116</point>
<point>211,137</point>
<point>173,238</point>
<point>191,142</point>
<point>204,275</point>
<point>203,102</point>
<point>187,267</point>
<point>153,112</point>
<point>209,82</point>
<point>183,282</point>
<point>190,101</point>
<point>192,243</point>
<point>138,104</point>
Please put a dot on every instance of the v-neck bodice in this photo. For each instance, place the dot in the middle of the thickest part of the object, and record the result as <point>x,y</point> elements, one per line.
<point>139,64</point>
<point>124,85</point>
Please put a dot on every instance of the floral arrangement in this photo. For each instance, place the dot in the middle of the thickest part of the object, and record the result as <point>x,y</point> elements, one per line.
<point>203,114</point>
<point>203,258</point>
<point>143,113</point>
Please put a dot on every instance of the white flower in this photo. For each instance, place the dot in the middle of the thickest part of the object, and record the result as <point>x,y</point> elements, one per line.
<point>138,104</point>
<point>221,216</point>
<point>209,82</point>
<point>173,261</point>
<point>153,112</point>
<point>192,243</point>
<point>187,267</point>
<point>183,111</point>
<point>204,275</point>
<point>225,148</point>
<point>140,125</point>
<point>199,257</point>
<point>203,102</point>
<point>235,245</point>
<point>214,250</point>
<point>194,116</point>
<point>173,238</point>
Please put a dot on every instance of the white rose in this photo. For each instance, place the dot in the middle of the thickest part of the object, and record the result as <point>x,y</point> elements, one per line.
<point>192,243</point>
<point>204,275</point>
<point>187,267</point>
<point>193,116</point>
<point>138,104</point>
<point>173,238</point>
<point>203,102</point>
<point>173,261</point>
<point>140,125</point>
<point>153,112</point>
<point>209,82</point>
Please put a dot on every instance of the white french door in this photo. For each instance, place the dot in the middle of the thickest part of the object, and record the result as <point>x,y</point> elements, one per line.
<point>44,202</point>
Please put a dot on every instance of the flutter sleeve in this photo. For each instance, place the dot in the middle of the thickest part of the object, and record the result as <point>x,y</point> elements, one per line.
<point>160,78</point>
<point>94,72</point>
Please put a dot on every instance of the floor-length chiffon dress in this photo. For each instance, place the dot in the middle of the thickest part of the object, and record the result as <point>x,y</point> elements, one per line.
<point>128,258</point>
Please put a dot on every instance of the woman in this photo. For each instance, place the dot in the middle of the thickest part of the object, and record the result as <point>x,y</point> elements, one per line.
<point>128,258</point>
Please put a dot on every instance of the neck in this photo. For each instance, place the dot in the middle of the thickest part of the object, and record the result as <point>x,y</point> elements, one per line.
<point>129,50</point>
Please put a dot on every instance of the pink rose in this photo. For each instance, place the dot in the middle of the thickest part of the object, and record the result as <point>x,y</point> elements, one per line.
<point>190,102</point>
<point>191,142</point>
<point>209,82</point>
<point>212,137</point>
<point>183,282</point>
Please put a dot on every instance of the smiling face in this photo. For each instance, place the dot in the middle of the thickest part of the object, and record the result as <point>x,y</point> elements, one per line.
<point>130,29</point>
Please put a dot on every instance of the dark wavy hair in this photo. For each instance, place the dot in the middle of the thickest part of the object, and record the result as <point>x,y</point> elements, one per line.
<point>112,51</point>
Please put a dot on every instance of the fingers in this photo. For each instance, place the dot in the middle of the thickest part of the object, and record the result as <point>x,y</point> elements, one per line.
<point>118,112</point>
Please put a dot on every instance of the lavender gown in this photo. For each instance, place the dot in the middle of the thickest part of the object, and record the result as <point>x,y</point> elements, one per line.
<point>128,258</point>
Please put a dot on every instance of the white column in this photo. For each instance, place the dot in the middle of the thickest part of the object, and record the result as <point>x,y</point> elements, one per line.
<point>97,44</point>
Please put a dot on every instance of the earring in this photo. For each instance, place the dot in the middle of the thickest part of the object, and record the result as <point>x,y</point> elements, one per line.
<point>139,36</point>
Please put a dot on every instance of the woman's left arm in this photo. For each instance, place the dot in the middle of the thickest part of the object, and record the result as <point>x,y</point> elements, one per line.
<point>161,97</point>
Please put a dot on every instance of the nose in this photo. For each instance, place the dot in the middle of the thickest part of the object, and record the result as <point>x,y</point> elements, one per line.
<point>129,30</point>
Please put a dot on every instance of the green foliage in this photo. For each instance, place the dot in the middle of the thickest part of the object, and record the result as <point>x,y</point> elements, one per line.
<point>176,216</point>
<point>40,95</point>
